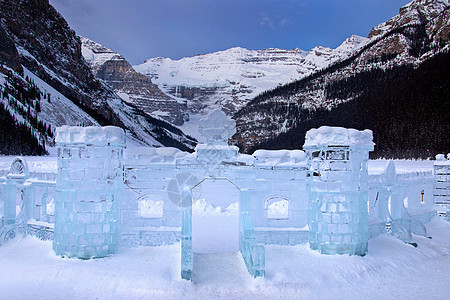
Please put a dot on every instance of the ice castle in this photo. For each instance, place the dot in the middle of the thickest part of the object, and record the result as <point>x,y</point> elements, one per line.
<point>104,196</point>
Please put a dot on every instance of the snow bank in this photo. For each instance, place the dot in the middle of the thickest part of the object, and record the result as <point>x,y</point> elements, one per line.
<point>90,135</point>
<point>202,207</point>
<point>334,136</point>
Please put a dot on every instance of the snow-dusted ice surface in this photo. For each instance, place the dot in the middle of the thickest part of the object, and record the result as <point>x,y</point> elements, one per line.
<point>35,163</point>
<point>327,135</point>
<point>378,166</point>
<point>390,270</point>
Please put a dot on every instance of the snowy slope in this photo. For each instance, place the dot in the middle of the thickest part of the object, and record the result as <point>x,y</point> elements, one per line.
<point>59,110</point>
<point>257,69</point>
<point>230,79</point>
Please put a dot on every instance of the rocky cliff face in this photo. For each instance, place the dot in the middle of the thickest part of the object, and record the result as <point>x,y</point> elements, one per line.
<point>132,86</point>
<point>419,32</point>
<point>230,79</point>
<point>420,27</point>
<point>45,81</point>
<point>8,52</point>
<point>51,50</point>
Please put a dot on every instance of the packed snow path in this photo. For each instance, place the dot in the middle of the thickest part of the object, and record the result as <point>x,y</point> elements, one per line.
<point>390,270</point>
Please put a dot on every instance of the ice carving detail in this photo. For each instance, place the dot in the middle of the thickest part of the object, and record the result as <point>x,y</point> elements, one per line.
<point>217,128</point>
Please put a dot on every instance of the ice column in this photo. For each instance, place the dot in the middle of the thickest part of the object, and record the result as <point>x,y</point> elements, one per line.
<point>186,235</point>
<point>18,174</point>
<point>89,180</point>
<point>13,188</point>
<point>338,185</point>
<point>254,255</point>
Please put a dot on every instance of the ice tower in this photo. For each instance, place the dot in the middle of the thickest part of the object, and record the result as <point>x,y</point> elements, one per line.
<point>338,185</point>
<point>442,186</point>
<point>87,188</point>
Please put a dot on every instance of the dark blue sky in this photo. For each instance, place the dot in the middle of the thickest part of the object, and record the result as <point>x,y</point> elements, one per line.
<point>140,29</point>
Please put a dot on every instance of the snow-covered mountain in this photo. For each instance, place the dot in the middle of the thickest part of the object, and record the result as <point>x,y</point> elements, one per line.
<point>230,79</point>
<point>132,87</point>
<point>419,32</point>
<point>45,82</point>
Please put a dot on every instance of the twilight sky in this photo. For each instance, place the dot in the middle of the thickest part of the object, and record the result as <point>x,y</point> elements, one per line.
<point>141,29</point>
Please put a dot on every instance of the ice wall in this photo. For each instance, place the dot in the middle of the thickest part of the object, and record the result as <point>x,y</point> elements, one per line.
<point>338,186</point>
<point>442,185</point>
<point>399,204</point>
<point>87,191</point>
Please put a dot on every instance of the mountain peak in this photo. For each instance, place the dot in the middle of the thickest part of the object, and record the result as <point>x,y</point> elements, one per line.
<point>96,54</point>
<point>413,13</point>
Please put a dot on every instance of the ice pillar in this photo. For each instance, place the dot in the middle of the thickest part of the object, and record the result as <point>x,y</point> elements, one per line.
<point>88,185</point>
<point>338,186</point>
<point>187,258</point>
<point>254,255</point>
<point>17,175</point>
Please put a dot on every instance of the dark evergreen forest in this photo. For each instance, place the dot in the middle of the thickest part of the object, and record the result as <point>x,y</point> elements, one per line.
<point>17,138</point>
<point>407,108</point>
<point>20,137</point>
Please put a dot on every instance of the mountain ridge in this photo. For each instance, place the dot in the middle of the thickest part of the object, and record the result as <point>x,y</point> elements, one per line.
<point>411,41</point>
<point>45,82</point>
<point>229,79</point>
<point>411,37</point>
<point>134,88</point>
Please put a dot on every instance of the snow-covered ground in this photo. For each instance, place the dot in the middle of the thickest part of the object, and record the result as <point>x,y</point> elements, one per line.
<point>390,270</point>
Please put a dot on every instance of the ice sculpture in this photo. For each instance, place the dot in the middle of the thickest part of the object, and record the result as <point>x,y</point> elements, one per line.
<point>87,188</point>
<point>216,159</point>
<point>10,222</point>
<point>253,254</point>
<point>338,185</point>
<point>442,186</point>
<point>187,258</point>
<point>217,128</point>
<point>390,206</point>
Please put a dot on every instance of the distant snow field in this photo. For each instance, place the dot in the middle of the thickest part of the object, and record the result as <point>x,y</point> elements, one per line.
<point>390,270</point>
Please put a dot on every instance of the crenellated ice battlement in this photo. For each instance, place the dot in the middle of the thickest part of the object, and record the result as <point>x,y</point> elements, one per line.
<point>92,135</point>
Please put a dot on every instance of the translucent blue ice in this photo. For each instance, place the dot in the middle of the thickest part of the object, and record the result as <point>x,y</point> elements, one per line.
<point>338,189</point>
<point>442,185</point>
<point>253,254</point>
<point>87,191</point>
<point>187,260</point>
